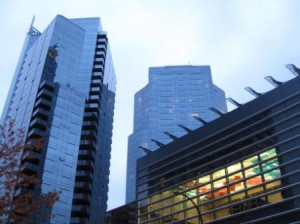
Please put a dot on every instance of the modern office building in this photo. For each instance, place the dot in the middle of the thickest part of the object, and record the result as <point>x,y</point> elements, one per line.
<point>63,91</point>
<point>163,110</point>
<point>242,167</point>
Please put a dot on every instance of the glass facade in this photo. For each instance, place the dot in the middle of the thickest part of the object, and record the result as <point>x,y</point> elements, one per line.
<point>240,168</point>
<point>63,91</point>
<point>218,193</point>
<point>172,96</point>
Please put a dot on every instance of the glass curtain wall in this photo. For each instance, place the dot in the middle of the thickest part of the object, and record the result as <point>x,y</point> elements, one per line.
<point>246,184</point>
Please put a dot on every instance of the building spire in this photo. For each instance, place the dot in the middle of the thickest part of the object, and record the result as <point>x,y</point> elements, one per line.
<point>32,30</point>
<point>31,25</point>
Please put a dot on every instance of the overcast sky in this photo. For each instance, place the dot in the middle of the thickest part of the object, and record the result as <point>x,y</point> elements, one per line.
<point>242,40</point>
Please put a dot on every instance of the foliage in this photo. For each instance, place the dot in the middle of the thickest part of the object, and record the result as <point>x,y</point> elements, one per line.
<point>19,197</point>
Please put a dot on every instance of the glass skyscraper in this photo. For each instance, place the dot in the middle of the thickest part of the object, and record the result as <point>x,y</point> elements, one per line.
<point>63,91</point>
<point>164,108</point>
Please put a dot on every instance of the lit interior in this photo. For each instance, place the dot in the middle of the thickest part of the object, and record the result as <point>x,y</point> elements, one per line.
<point>222,188</point>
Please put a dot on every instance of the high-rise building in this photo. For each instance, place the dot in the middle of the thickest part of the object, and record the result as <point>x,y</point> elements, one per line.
<point>164,108</point>
<point>63,91</point>
<point>242,167</point>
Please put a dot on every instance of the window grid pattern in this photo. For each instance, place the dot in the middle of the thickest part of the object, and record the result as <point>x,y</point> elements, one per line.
<point>219,193</point>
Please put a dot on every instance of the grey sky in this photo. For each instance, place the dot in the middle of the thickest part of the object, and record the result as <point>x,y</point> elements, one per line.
<point>242,41</point>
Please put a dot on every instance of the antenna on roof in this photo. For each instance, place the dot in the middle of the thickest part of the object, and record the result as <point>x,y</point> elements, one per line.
<point>33,31</point>
<point>32,21</point>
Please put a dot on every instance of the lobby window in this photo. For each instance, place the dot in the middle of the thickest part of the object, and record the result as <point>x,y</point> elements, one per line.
<point>239,187</point>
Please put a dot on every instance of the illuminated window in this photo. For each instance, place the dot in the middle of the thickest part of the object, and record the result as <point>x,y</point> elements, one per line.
<point>219,184</point>
<point>204,179</point>
<point>275,197</point>
<point>218,174</point>
<point>272,175</point>
<point>234,167</point>
<point>251,161</point>
<point>228,187</point>
<point>253,171</point>
<point>239,185</point>
<point>205,192</point>
<point>270,164</point>
<point>268,154</point>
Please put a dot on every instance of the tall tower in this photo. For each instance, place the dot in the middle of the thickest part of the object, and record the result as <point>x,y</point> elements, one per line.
<point>164,108</point>
<point>63,91</point>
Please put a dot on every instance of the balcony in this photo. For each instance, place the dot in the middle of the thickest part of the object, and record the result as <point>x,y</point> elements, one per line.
<point>31,156</point>
<point>90,125</point>
<point>47,85</point>
<point>88,133</point>
<point>46,94</point>
<point>21,191</point>
<point>95,89</point>
<point>102,36</point>
<point>87,165</point>
<point>99,60</point>
<point>38,123</point>
<point>101,46</point>
<point>84,176</point>
<point>81,198</point>
<point>87,174</point>
<point>91,109</point>
<point>91,116</point>
<point>94,101</point>
<point>97,69</point>
<point>98,78</point>
<point>100,54</point>
<point>83,185</point>
<point>99,85</point>
<point>28,168</point>
<point>40,113</point>
<point>80,211</point>
<point>36,133</point>
<point>88,144</point>
<point>78,220</point>
<point>101,39</point>
<point>42,103</point>
<point>95,95</point>
<point>96,66</point>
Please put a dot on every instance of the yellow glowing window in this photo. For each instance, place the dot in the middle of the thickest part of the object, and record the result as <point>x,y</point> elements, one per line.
<point>234,167</point>
<point>219,183</point>
<point>190,184</point>
<point>270,164</point>
<point>204,179</point>
<point>268,154</point>
<point>254,181</point>
<point>252,171</point>
<point>251,161</point>
<point>235,178</point>
<point>272,175</point>
<point>218,174</point>
<point>205,191</point>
